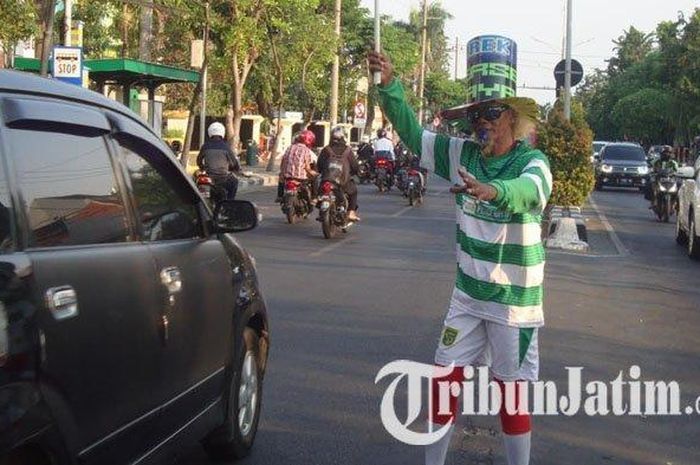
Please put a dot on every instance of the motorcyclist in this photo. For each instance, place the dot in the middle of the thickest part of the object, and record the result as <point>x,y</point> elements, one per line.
<point>665,162</point>
<point>337,163</point>
<point>383,146</point>
<point>365,151</point>
<point>297,162</point>
<point>218,160</point>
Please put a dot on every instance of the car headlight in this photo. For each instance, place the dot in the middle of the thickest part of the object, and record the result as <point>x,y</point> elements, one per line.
<point>643,170</point>
<point>662,188</point>
<point>606,169</point>
<point>673,188</point>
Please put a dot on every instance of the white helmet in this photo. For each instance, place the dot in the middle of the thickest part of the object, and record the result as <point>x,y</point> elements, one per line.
<point>338,133</point>
<point>216,129</point>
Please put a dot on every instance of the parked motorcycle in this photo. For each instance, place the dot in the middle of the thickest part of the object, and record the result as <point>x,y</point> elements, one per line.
<point>665,202</point>
<point>333,209</point>
<point>296,202</point>
<point>384,174</point>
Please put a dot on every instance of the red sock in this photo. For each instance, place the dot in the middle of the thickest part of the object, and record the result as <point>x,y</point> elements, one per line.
<point>513,424</point>
<point>456,376</point>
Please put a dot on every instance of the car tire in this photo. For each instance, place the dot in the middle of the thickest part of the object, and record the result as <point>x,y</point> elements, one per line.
<point>237,435</point>
<point>598,186</point>
<point>693,239</point>
<point>681,236</point>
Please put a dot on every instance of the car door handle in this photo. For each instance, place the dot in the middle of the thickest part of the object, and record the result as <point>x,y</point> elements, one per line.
<point>62,302</point>
<point>172,280</point>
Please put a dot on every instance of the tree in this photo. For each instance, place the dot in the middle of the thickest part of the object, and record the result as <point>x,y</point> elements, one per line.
<point>240,26</point>
<point>436,47</point>
<point>568,147</point>
<point>293,51</point>
<point>19,20</point>
<point>632,46</point>
<point>645,116</point>
<point>442,93</point>
<point>651,90</point>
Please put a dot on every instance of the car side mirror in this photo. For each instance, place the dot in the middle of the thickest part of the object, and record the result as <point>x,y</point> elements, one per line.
<point>686,172</point>
<point>596,158</point>
<point>235,216</point>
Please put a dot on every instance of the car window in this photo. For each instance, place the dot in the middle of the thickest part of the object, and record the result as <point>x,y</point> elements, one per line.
<point>164,213</point>
<point>624,152</point>
<point>69,189</point>
<point>597,146</point>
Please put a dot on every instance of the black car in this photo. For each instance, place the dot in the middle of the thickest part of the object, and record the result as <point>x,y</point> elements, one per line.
<point>621,164</point>
<point>130,317</point>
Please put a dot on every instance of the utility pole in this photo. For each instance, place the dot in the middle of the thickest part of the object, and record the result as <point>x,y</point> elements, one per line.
<point>67,20</point>
<point>205,68</point>
<point>336,66</point>
<point>567,73</point>
<point>456,57</point>
<point>424,41</point>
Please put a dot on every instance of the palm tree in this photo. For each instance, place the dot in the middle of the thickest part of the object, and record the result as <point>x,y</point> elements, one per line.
<point>631,48</point>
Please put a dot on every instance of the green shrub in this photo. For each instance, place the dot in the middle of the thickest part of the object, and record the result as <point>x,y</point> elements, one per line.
<point>568,144</point>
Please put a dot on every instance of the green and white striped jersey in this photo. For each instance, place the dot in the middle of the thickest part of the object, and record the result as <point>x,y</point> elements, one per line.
<point>500,256</point>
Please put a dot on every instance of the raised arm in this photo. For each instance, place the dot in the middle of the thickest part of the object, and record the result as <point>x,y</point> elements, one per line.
<point>438,152</point>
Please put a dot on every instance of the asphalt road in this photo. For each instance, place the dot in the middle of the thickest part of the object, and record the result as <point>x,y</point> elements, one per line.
<point>342,309</point>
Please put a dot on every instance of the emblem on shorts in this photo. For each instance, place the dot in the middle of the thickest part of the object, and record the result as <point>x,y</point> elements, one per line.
<point>449,336</point>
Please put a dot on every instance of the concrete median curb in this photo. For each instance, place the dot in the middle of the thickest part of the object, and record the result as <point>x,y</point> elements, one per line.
<point>566,229</point>
<point>256,179</point>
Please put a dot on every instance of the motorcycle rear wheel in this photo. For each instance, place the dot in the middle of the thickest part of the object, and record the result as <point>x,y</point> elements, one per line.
<point>288,208</point>
<point>327,224</point>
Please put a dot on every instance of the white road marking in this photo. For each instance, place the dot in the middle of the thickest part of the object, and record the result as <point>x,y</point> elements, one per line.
<point>331,247</point>
<point>621,249</point>
<point>401,212</point>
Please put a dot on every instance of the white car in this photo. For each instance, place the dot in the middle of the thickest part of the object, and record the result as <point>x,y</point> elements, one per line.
<point>597,147</point>
<point>687,227</point>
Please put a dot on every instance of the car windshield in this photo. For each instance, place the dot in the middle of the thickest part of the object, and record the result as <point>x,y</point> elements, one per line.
<point>624,152</point>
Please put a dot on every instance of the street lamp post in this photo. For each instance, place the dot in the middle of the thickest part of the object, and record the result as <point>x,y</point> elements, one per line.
<point>336,66</point>
<point>567,73</point>
<point>424,46</point>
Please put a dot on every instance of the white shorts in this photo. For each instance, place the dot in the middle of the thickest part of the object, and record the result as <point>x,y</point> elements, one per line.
<point>511,353</point>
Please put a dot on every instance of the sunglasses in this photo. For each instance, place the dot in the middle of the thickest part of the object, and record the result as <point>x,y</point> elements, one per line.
<point>489,113</point>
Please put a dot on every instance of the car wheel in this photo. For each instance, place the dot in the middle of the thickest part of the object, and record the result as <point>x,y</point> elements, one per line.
<point>681,236</point>
<point>598,186</point>
<point>238,433</point>
<point>693,240</point>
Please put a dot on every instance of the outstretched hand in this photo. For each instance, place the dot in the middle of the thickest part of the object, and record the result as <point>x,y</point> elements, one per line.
<point>380,63</point>
<point>471,186</point>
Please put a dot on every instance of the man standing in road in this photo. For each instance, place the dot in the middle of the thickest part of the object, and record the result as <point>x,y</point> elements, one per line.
<point>502,186</point>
